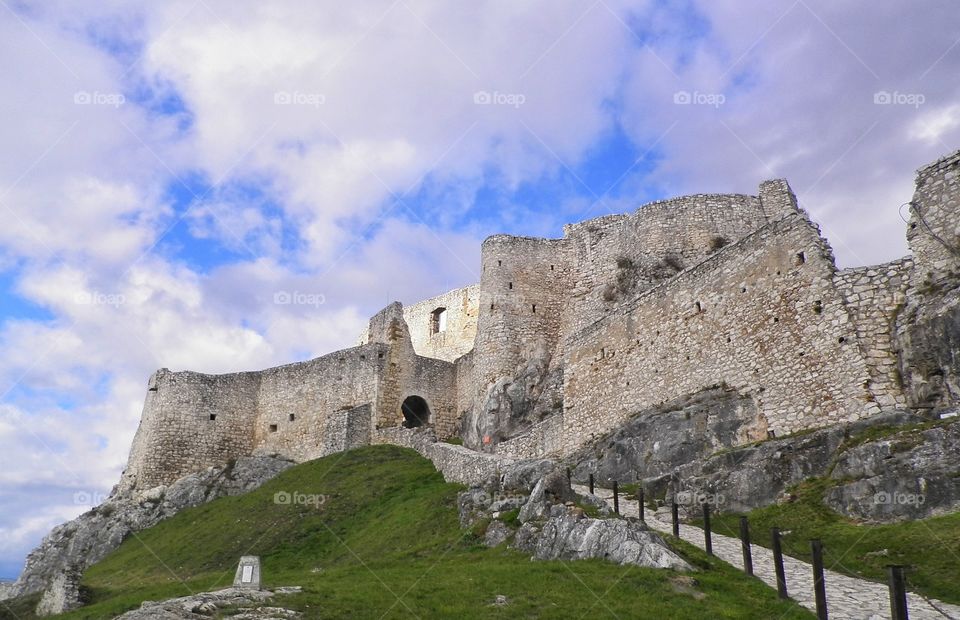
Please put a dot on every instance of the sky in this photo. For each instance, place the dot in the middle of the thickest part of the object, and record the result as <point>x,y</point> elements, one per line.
<point>223,185</point>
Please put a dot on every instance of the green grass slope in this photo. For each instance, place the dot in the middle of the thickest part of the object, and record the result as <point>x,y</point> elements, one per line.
<point>386,543</point>
<point>931,547</point>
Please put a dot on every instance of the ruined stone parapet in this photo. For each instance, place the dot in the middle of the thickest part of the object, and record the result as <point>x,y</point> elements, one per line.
<point>933,231</point>
<point>445,326</point>
<point>762,316</point>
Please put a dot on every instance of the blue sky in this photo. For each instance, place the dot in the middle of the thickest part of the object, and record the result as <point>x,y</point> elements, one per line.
<point>168,168</point>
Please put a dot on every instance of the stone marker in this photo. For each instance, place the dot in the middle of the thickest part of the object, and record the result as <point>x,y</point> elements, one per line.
<point>248,573</point>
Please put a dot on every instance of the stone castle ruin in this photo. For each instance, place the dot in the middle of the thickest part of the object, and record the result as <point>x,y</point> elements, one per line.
<point>732,299</point>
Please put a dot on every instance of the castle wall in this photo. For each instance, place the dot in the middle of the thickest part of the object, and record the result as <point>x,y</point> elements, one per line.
<point>624,313</point>
<point>191,421</point>
<point>300,404</point>
<point>933,232</point>
<point>617,257</point>
<point>523,289</point>
<point>768,324</point>
<point>873,296</point>
<point>462,306</point>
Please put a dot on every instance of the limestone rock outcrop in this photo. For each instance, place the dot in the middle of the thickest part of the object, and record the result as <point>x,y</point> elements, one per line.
<point>80,543</point>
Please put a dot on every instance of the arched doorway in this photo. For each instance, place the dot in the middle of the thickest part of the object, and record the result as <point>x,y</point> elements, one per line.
<point>415,412</point>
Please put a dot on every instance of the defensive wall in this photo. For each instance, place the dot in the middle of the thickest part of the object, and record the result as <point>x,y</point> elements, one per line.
<point>623,313</point>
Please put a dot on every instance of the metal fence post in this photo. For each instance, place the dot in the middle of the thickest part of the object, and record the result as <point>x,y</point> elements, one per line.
<point>616,498</point>
<point>591,484</point>
<point>819,588</point>
<point>640,499</point>
<point>778,563</point>
<point>745,543</point>
<point>707,539</point>
<point>898,593</point>
<point>676,518</point>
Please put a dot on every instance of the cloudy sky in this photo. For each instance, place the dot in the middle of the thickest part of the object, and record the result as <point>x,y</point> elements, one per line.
<point>223,185</point>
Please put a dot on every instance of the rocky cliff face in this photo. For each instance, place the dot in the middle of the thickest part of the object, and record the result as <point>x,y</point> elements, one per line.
<point>78,544</point>
<point>659,439</point>
<point>928,336</point>
<point>551,521</point>
<point>890,467</point>
<point>511,405</point>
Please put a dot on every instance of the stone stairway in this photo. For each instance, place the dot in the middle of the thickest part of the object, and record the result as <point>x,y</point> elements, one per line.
<point>847,597</point>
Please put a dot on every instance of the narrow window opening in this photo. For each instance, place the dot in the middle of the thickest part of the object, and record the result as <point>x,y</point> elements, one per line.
<point>379,356</point>
<point>818,307</point>
<point>499,263</point>
<point>213,417</point>
<point>551,267</point>
<point>510,285</point>
<point>273,428</point>
<point>491,306</point>
<point>698,306</point>
<point>800,259</point>
<point>534,308</point>
<point>293,417</point>
<point>438,321</point>
<point>776,319</point>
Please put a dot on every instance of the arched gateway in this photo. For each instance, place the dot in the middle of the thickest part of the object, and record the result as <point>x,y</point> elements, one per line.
<point>416,412</point>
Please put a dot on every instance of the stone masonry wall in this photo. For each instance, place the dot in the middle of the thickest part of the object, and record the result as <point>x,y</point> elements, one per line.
<point>523,289</point>
<point>462,306</point>
<point>874,295</point>
<point>762,317</point>
<point>617,257</point>
<point>298,402</point>
<point>625,312</point>
<point>191,421</point>
<point>934,228</point>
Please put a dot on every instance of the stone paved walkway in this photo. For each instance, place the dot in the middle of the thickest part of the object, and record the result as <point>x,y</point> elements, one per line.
<point>847,597</point>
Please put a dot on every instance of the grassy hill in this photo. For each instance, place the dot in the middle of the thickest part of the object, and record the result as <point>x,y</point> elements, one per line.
<point>386,543</point>
<point>931,547</point>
